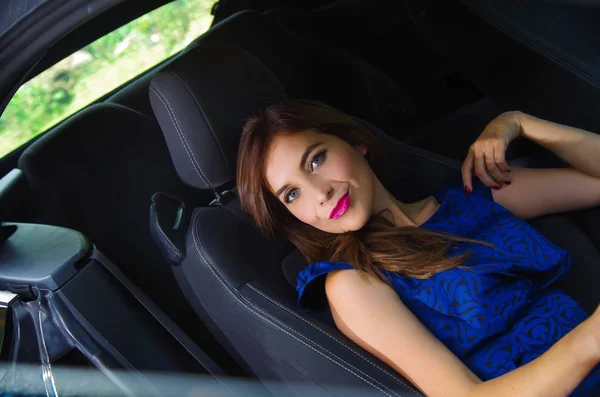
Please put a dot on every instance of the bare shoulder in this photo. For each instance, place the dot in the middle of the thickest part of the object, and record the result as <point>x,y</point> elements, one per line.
<point>355,296</point>
<point>340,283</point>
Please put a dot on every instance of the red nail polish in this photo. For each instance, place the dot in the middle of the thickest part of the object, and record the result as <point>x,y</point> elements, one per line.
<point>496,187</point>
<point>468,189</point>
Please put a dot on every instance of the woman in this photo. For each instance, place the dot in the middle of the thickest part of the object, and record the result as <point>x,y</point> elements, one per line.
<point>455,291</point>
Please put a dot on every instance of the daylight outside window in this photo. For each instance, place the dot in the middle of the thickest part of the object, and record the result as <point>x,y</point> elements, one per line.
<point>99,68</point>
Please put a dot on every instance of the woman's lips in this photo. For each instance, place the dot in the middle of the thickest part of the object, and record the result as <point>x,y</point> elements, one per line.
<point>341,207</point>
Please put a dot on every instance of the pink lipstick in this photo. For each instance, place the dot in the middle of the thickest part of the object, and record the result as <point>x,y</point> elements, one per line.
<point>341,207</point>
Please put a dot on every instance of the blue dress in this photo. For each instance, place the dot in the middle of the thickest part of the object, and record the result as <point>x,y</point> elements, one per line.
<point>503,311</point>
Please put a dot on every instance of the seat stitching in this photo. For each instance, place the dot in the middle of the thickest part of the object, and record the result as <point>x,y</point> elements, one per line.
<point>581,235</point>
<point>577,231</point>
<point>265,317</point>
<point>203,115</point>
<point>180,133</point>
<point>327,334</point>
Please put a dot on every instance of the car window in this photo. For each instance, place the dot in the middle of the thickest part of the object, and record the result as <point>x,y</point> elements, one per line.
<point>99,68</point>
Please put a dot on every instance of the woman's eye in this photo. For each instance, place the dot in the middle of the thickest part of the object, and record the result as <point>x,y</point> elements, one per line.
<point>291,195</point>
<point>317,160</point>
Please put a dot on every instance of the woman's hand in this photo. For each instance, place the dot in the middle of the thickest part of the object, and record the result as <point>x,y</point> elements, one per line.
<point>486,154</point>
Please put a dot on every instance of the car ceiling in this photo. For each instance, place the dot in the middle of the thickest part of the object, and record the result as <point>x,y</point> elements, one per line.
<point>88,32</point>
<point>119,15</point>
<point>12,10</point>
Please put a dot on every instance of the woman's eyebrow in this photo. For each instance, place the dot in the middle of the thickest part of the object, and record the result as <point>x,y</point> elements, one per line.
<point>308,150</point>
<point>281,189</point>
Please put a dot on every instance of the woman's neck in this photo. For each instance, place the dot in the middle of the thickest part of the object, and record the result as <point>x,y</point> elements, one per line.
<point>402,214</point>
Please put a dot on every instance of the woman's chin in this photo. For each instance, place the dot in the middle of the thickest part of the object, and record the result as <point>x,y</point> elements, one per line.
<point>356,223</point>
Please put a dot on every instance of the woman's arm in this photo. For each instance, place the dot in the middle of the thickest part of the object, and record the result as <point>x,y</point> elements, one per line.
<point>533,192</point>
<point>371,314</point>
<point>579,148</point>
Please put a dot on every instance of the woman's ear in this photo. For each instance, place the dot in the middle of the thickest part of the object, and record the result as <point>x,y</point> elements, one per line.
<point>362,148</point>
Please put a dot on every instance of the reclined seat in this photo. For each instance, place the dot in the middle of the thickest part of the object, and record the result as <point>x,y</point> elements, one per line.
<point>242,284</point>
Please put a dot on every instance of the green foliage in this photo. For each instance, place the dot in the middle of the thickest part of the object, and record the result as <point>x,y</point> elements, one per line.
<point>99,68</point>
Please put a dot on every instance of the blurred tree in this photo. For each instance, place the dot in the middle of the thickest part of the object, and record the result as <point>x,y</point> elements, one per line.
<point>49,97</point>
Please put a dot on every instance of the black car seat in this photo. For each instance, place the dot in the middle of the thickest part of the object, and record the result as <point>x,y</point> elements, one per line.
<point>242,284</point>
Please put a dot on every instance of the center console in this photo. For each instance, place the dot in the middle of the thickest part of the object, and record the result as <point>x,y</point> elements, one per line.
<point>61,295</point>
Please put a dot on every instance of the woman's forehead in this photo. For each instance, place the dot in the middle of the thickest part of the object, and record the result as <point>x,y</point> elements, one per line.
<point>285,152</point>
<point>293,141</point>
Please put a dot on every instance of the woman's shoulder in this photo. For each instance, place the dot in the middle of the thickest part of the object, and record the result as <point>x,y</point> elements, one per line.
<point>341,281</point>
<point>340,285</point>
<point>314,274</point>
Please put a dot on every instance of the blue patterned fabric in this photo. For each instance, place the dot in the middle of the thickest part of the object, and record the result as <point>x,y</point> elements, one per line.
<point>502,311</point>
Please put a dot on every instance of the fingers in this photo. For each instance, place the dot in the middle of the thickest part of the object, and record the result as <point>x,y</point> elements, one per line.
<point>499,153</point>
<point>487,160</point>
<point>492,153</point>
<point>467,172</point>
<point>482,172</point>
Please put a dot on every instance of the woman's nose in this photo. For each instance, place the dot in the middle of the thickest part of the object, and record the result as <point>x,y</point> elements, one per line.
<point>324,193</point>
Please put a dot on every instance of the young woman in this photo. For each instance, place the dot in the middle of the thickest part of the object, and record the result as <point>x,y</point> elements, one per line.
<point>455,291</point>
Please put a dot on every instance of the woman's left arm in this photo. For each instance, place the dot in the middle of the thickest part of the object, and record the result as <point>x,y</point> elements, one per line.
<point>534,192</point>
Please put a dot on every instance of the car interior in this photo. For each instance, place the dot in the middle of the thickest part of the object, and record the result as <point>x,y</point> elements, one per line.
<point>122,223</point>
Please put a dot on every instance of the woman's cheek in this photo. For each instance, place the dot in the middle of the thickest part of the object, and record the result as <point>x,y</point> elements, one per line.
<point>340,167</point>
<point>306,216</point>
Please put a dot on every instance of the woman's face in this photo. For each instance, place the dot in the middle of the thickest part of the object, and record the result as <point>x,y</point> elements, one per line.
<point>322,180</point>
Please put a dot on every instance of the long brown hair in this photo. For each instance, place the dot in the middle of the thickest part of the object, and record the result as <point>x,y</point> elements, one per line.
<point>378,246</point>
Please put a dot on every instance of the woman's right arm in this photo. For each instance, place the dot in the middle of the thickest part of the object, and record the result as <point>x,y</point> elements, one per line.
<point>370,313</point>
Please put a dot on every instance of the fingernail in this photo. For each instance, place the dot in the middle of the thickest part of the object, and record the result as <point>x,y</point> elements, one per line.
<point>507,182</point>
<point>496,187</point>
<point>468,189</point>
<point>508,170</point>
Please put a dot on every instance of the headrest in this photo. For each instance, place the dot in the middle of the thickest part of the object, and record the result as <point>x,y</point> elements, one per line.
<point>202,101</point>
